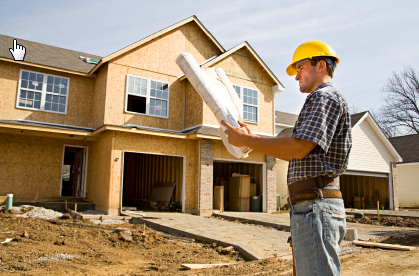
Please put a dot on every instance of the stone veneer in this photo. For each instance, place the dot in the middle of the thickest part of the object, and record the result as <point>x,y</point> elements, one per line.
<point>271,203</point>
<point>205,184</point>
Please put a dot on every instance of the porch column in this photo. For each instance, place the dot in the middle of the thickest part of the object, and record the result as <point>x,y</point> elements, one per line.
<point>205,183</point>
<point>270,184</point>
<point>394,183</point>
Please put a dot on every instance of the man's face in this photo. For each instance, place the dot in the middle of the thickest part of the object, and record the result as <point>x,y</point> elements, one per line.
<point>306,76</point>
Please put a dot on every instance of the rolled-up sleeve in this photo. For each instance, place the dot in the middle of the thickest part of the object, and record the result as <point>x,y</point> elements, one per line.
<point>319,121</point>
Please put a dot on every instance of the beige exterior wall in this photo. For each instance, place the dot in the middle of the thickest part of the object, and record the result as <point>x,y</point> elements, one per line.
<point>408,185</point>
<point>32,165</point>
<point>368,152</point>
<point>80,97</point>
<point>281,180</point>
<point>99,97</point>
<point>220,151</point>
<point>157,60</point>
<point>242,69</point>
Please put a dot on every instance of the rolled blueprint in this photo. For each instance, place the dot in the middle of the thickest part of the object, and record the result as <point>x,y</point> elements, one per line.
<point>218,94</point>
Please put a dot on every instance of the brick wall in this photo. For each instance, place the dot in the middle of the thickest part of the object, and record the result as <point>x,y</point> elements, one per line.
<point>205,176</point>
<point>270,184</point>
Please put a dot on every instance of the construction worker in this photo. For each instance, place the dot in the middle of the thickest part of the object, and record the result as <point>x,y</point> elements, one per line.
<point>318,154</point>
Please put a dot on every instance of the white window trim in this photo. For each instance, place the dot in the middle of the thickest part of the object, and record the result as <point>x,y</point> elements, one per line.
<point>257,106</point>
<point>148,97</point>
<point>43,92</point>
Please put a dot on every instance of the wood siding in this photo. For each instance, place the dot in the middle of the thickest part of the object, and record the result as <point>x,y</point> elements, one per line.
<point>368,152</point>
<point>408,185</point>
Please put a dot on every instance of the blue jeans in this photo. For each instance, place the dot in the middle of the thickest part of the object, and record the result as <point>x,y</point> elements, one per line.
<point>317,229</point>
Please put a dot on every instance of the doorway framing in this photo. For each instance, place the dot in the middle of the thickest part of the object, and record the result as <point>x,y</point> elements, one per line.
<point>84,170</point>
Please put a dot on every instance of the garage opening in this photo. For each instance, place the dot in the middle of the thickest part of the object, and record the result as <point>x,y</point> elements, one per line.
<point>363,191</point>
<point>152,182</point>
<point>237,186</point>
<point>73,180</point>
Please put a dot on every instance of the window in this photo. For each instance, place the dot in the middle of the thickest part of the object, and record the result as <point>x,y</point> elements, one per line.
<point>146,96</point>
<point>38,91</point>
<point>250,99</point>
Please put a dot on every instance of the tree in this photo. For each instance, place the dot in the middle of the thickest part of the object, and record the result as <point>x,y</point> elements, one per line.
<point>400,113</point>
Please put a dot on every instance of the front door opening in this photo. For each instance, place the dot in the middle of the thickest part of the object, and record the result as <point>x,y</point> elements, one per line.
<point>72,183</point>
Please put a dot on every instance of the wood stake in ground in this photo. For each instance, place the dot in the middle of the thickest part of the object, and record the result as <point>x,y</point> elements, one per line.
<point>200,266</point>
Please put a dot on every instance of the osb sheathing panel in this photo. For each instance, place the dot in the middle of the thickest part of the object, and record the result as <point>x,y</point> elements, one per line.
<point>161,145</point>
<point>32,165</point>
<point>115,101</point>
<point>220,151</point>
<point>99,97</point>
<point>159,55</point>
<point>244,70</point>
<point>157,60</point>
<point>80,98</point>
<point>99,171</point>
<point>194,107</point>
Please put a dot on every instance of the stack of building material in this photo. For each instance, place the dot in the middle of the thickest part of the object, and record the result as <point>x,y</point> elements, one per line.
<point>239,194</point>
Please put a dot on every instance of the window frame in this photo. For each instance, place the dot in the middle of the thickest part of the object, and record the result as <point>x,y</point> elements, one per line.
<point>43,92</point>
<point>243,104</point>
<point>147,96</point>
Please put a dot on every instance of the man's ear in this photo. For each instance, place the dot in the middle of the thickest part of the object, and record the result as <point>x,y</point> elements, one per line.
<point>321,66</point>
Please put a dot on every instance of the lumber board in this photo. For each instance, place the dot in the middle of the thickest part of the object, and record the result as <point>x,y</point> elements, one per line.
<point>92,226</point>
<point>385,245</point>
<point>177,238</point>
<point>200,266</point>
<point>105,217</point>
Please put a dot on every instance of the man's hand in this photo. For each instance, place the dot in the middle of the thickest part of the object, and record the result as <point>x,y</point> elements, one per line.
<point>238,136</point>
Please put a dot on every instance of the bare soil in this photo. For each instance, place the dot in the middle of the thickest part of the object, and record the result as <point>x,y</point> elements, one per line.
<point>41,247</point>
<point>387,221</point>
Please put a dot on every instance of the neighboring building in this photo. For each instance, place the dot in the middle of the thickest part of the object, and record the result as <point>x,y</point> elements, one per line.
<point>108,128</point>
<point>408,170</point>
<point>284,121</point>
<point>371,170</point>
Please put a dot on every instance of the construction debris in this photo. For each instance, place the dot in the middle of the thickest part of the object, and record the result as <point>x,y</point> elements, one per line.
<point>385,245</point>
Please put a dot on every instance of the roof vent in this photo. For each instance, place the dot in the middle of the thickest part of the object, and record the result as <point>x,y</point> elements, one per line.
<point>90,60</point>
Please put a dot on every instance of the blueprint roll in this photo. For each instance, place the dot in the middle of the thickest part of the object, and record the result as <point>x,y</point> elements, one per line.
<point>218,94</point>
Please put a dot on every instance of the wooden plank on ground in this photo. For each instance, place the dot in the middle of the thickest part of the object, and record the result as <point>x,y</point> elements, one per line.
<point>385,245</point>
<point>200,266</point>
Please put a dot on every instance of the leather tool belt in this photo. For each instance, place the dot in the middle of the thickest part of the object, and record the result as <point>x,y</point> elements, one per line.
<point>313,194</point>
<point>312,188</point>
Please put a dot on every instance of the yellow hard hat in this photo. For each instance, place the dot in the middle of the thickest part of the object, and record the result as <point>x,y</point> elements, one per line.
<point>308,50</point>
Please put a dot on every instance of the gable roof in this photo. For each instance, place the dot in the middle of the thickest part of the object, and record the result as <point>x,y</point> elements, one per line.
<point>279,86</point>
<point>157,34</point>
<point>407,146</point>
<point>46,56</point>
<point>283,118</point>
<point>356,117</point>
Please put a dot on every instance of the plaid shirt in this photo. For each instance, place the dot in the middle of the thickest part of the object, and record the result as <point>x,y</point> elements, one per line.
<point>324,120</point>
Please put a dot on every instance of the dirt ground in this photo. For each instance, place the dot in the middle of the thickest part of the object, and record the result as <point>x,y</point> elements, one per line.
<point>41,247</point>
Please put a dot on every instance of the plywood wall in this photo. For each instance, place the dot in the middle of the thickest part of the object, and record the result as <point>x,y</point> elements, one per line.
<point>32,165</point>
<point>80,97</point>
<point>373,189</point>
<point>242,69</point>
<point>99,97</point>
<point>156,60</point>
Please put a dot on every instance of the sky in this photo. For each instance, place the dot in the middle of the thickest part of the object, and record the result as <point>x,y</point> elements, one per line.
<point>373,39</point>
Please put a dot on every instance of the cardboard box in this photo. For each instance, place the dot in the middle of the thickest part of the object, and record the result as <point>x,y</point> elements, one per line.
<point>239,187</point>
<point>239,204</point>
<point>224,183</point>
<point>253,189</point>
<point>218,199</point>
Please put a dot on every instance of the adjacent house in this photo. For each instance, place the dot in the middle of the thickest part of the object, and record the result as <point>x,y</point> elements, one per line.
<point>371,173</point>
<point>109,128</point>
<point>408,170</point>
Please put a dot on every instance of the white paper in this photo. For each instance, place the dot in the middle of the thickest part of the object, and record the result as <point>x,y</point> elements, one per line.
<point>218,94</point>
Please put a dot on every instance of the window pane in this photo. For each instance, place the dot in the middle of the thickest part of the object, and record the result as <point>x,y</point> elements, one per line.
<point>137,81</point>
<point>30,95</point>
<point>49,87</point>
<point>152,92</point>
<point>153,84</point>
<point>50,80</point>
<point>57,81</point>
<point>165,95</point>
<point>144,91</point>
<point>25,75</point>
<point>55,99</point>
<point>32,76</point>
<point>24,83</point>
<point>63,89</point>
<point>61,108</point>
<point>54,107</point>
<point>56,89</point>
<point>159,94</point>
<point>38,96</point>
<point>144,83</point>
<point>130,80</point>
<point>47,106</point>
<point>62,100</point>
<point>165,87</point>
<point>30,85</point>
<point>48,98</point>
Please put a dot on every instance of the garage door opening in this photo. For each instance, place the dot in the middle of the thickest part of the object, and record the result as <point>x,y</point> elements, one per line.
<point>241,185</point>
<point>363,192</point>
<point>152,182</point>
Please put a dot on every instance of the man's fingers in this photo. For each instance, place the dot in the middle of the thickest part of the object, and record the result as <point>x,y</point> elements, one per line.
<point>11,51</point>
<point>14,44</point>
<point>227,125</point>
<point>241,123</point>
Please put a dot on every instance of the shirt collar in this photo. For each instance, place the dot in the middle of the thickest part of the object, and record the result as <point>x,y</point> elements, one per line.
<point>321,86</point>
